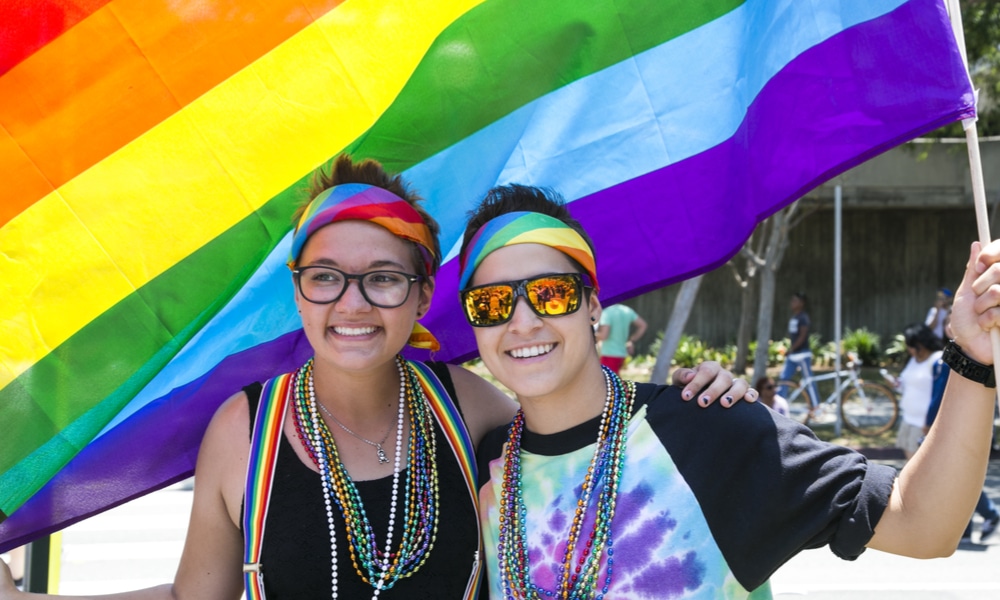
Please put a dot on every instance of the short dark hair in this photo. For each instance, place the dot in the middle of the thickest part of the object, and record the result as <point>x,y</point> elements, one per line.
<point>345,169</point>
<point>517,198</point>
<point>918,334</point>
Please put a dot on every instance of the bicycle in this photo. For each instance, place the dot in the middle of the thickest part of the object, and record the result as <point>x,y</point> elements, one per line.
<point>866,408</point>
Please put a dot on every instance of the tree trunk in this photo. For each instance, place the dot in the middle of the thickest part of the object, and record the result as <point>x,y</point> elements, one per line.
<point>780,223</point>
<point>748,306</point>
<point>675,327</point>
<point>765,320</point>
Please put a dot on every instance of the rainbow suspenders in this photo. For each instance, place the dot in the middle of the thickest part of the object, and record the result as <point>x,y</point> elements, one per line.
<point>274,400</point>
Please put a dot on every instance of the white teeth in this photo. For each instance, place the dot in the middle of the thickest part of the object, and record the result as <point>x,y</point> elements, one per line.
<point>532,351</point>
<point>353,330</point>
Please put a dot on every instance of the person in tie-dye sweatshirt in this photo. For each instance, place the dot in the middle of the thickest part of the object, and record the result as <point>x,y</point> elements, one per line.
<point>608,488</point>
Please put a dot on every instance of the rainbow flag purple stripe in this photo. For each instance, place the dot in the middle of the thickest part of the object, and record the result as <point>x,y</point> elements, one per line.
<point>672,128</point>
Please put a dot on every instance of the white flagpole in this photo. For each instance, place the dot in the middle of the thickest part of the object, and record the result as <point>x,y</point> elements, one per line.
<point>975,165</point>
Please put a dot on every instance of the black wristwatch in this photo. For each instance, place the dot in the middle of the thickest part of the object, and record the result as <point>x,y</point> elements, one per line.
<point>967,367</point>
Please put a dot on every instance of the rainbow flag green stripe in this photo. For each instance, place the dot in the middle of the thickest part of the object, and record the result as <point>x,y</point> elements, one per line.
<point>543,46</point>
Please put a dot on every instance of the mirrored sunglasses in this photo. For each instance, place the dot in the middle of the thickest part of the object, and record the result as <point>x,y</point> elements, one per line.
<point>548,295</point>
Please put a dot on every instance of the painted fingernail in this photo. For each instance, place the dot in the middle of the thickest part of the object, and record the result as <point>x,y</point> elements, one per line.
<point>687,394</point>
<point>704,400</point>
<point>727,401</point>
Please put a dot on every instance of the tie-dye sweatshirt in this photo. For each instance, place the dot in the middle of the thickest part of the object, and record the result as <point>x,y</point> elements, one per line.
<point>711,501</point>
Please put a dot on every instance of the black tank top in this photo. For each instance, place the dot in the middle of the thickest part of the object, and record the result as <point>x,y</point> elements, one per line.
<point>296,555</point>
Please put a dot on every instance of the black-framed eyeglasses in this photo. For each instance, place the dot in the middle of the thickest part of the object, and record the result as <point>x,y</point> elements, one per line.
<point>384,289</point>
<point>547,295</point>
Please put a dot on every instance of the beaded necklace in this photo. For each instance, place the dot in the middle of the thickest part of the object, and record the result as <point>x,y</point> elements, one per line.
<point>581,580</point>
<point>379,568</point>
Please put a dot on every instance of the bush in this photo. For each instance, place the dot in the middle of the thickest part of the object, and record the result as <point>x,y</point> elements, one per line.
<point>865,343</point>
<point>690,351</point>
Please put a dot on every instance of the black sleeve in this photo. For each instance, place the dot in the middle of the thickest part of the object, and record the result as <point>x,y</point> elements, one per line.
<point>766,485</point>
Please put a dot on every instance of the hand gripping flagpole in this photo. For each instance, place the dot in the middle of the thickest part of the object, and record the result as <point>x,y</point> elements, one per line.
<point>975,165</point>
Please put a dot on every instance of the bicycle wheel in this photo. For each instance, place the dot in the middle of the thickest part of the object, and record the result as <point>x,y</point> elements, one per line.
<point>869,409</point>
<point>798,400</point>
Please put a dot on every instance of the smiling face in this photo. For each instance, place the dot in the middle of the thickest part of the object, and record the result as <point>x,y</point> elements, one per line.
<point>351,334</point>
<point>539,357</point>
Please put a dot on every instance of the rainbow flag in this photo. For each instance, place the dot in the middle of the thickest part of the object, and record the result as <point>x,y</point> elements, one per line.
<point>152,153</point>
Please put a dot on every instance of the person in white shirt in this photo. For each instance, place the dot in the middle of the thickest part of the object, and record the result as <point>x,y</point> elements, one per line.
<point>916,382</point>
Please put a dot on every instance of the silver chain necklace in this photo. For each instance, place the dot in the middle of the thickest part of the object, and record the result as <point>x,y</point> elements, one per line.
<point>383,458</point>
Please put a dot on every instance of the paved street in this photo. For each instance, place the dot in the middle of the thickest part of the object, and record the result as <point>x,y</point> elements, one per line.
<point>972,573</point>
<point>139,544</point>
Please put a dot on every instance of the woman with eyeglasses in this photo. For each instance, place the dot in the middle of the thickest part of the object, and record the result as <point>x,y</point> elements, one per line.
<point>354,475</point>
<point>607,488</point>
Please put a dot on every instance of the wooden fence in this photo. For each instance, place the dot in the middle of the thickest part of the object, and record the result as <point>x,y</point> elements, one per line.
<point>894,260</point>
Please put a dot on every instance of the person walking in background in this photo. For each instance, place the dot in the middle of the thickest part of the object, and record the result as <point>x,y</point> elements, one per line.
<point>799,355</point>
<point>916,382</point>
<point>620,328</point>
<point>770,397</point>
<point>938,314</point>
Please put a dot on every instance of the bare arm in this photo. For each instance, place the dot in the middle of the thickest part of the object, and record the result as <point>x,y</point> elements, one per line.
<point>484,406</point>
<point>210,566</point>
<point>638,329</point>
<point>937,490</point>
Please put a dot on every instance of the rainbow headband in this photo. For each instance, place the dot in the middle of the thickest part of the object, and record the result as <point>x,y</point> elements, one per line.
<point>526,228</point>
<point>363,202</point>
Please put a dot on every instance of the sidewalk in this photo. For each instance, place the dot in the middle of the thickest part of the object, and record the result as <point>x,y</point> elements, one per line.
<point>972,573</point>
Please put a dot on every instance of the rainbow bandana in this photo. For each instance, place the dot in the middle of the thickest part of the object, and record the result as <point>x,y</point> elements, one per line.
<point>526,228</point>
<point>363,202</point>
